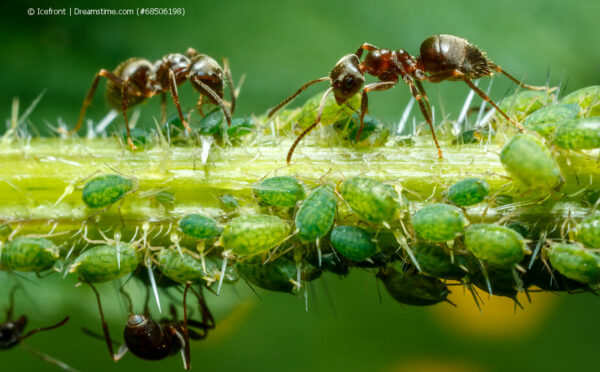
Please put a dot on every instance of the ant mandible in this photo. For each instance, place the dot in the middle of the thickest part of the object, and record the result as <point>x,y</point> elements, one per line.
<point>12,333</point>
<point>443,57</point>
<point>136,80</point>
<point>151,340</point>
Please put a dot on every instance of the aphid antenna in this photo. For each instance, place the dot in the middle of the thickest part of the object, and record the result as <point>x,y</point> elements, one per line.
<point>252,288</point>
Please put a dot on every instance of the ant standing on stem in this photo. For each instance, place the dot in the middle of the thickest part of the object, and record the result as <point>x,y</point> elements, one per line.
<point>443,57</point>
<point>12,334</point>
<point>136,80</point>
<point>151,340</point>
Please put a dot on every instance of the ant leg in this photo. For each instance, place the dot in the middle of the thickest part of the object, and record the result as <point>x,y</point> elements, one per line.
<point>230,83</point>
<point>208,321</point>
<point>423,94</point>
<point>217,99</point>
<point>88,99</point>
<point>11,304</point>
<point>173,86</point>
<point>199,105</point>
<point>520,83</point>
<point>307,130</point>
<point>104,325</point>
<point>163,108</point>
<point>365,46</point>
<point>124,106</point>
<point>34,331</point>
<point>186,336</point>
<point>425,110</point>
<point>285,101</point>
<point>364,101</point>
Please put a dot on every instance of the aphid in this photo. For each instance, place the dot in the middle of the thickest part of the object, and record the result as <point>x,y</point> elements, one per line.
<point>282,191</point>
<point>151,340</point>
<point>545,120</point>
<point>436,262</point>
<point>373,201</point>
<point>12,333</point>
<point>469,191</point>
<point>330,262</point>
<point>588,232</point>
<point>29,254</point>
<point>527,159</point>
<point>497,245</point>
<point>255,234</point>
<point>229,202</point>
<point>277,275</point>
<point>498,281</point>
<point>200,227</point>
<point>136,80</point>
<point>439,222</point>
<point>315,216</point>
<point>353,243</point>
<point>578,134</point>
<point>107,189</point>
<point>443,57</point>
<point>575,262</point>
<point>524,103</point>
<point>413,289</point>
<point>101,264</point>
<point>587,98</point>
<point>180,267</point>
<point>540,276</point>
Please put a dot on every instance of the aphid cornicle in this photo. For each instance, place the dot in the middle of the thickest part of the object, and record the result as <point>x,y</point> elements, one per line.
<point>137,79</point>
<point>443,57</point>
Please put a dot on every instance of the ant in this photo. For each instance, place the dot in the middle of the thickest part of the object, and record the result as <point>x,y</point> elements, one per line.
<point>137,79</point>
<point>151,340</point>
<point>443,57</point>
<point>12,333</point>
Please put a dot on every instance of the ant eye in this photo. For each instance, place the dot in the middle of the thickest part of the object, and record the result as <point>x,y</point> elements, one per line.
<point>348,83</point>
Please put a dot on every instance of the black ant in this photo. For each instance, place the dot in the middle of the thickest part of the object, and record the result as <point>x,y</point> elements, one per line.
<point>443,57</point>
<point>151,340</point>
<point>12,333</point>
<point>136,79</point>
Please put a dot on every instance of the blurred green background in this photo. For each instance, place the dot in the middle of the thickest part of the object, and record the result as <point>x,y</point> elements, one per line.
<point>279,45</point>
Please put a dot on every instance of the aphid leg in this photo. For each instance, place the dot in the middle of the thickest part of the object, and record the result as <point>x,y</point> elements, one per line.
<point>124,105</point>
<point>425,109</point>
<point>217,99</point>
<point>173,86</point>
<point>364,102</point>
<point>163,108</point>
<point>365,46</point>
<point>34,331</point>
<point>186,335</point>
<point>105,329</point>
<point>287,100</point>
<point>520,83</point>
<point>307,130</point>
<point>227,71</point>
<point>88,99</point>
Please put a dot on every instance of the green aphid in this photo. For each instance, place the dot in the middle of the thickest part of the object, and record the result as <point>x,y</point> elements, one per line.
<point>435,261</point>
<point>105,190</point>
<point>372,200</point>
<point>587,98</point>
<point>497,245</point>
<point>252,235</point>
<point>373,129</point>
<point>211,123</point>
<point>439,222</point>
<point>140,137</point>
<point>588,232</point>
<point>527,159</point>
<point>181,268</point>
<point>474,136</point>
<point>545,120</point>
<point>229,202</point>
<point>414,289</point>
<point>165,198</point>
<point>100,263</point>
<point>315,216</point>
<point>353,243</point>
<point>524,103</point>
<point>332,112</point>
<point>213,270</point>
<point>504,199</point>
<point>502,281</point>
<point>469,191</point>
<point>578,134</point>
<point>575,262</point>
<point>282,191</point>
<point>29,254</point>
<point>519,227</point>
<point>199,227</point>
<point>274,275</point>
<point>239,128</point>
<point>5,231</point>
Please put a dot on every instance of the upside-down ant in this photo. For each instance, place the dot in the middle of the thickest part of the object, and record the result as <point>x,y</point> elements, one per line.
<point>443,57</point>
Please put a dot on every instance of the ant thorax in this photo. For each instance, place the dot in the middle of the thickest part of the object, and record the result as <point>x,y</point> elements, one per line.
<point>176,62</point>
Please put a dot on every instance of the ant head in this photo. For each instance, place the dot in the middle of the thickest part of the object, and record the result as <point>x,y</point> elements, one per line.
<point>144,337</point>
<point>176,62</point>
<point>10,333</point>
<point>206,70</point>
<point>346,78</point>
